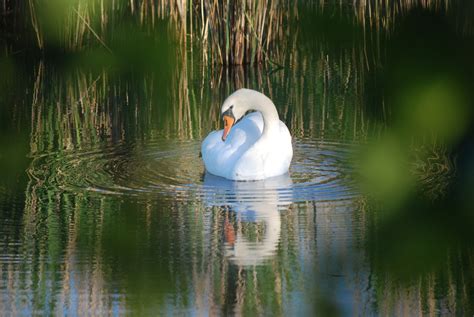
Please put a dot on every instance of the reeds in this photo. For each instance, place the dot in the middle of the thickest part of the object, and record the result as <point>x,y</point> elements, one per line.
<point>228,32</point>
<point>223,31</point>
<point>243,32</point>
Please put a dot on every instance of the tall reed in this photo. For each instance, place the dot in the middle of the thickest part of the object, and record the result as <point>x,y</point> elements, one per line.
<point>229,32</point>
<point>225,32</point>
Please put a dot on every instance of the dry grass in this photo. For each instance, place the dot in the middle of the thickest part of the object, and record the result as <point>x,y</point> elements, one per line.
<point>229,32</point>
<point>224,32</point>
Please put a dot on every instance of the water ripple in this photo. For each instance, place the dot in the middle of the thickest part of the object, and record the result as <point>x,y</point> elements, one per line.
<point>320,171</point>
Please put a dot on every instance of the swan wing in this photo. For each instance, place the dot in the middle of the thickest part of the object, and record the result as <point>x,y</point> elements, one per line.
<point>266,158</point>
<point>220,158</point>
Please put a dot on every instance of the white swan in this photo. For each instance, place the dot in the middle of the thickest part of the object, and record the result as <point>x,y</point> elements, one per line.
<point>257,147</point>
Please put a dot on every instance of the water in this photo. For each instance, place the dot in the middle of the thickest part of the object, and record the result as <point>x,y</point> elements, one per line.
<point>106,207</point>
<point>173,170</point>
<point>118,228</point>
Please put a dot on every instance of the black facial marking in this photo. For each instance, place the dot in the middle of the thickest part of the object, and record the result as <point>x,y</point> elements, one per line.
<point>229,113</point>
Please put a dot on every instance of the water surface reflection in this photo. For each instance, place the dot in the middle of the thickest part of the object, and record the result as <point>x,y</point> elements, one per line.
<point>258,203</point>
<point>114,213</point>
<point>143,228</point>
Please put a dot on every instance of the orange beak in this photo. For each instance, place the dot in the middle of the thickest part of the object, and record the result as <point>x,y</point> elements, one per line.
<point>228,123</point>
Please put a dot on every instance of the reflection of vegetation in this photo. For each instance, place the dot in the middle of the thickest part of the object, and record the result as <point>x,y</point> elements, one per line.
<point>147,256</point>
<point>84,230</point>
<point>100,107</point>
<point>421,260</point>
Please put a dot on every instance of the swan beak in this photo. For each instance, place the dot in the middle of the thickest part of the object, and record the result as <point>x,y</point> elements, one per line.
<point>228,123</point>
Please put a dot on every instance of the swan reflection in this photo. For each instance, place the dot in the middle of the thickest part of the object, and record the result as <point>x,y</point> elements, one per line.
<point>258,203</point>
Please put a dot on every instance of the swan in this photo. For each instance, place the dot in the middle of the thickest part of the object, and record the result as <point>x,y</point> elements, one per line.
<point>254,148</point>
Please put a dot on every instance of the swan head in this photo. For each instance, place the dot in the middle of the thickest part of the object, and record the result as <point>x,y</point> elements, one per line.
<point>234,108</point>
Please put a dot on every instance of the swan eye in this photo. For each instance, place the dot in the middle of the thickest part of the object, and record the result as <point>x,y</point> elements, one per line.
<point>231,107</point>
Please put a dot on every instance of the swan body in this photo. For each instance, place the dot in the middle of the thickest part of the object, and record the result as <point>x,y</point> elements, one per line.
<point>256,147</point>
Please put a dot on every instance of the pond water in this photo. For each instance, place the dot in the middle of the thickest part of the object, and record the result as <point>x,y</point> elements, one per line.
<point>106,207</point>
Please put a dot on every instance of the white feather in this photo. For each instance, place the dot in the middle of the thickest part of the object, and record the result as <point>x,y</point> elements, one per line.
<point>248,153</point>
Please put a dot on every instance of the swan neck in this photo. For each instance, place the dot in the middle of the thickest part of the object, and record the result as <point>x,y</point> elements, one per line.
<point>265,106</point>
